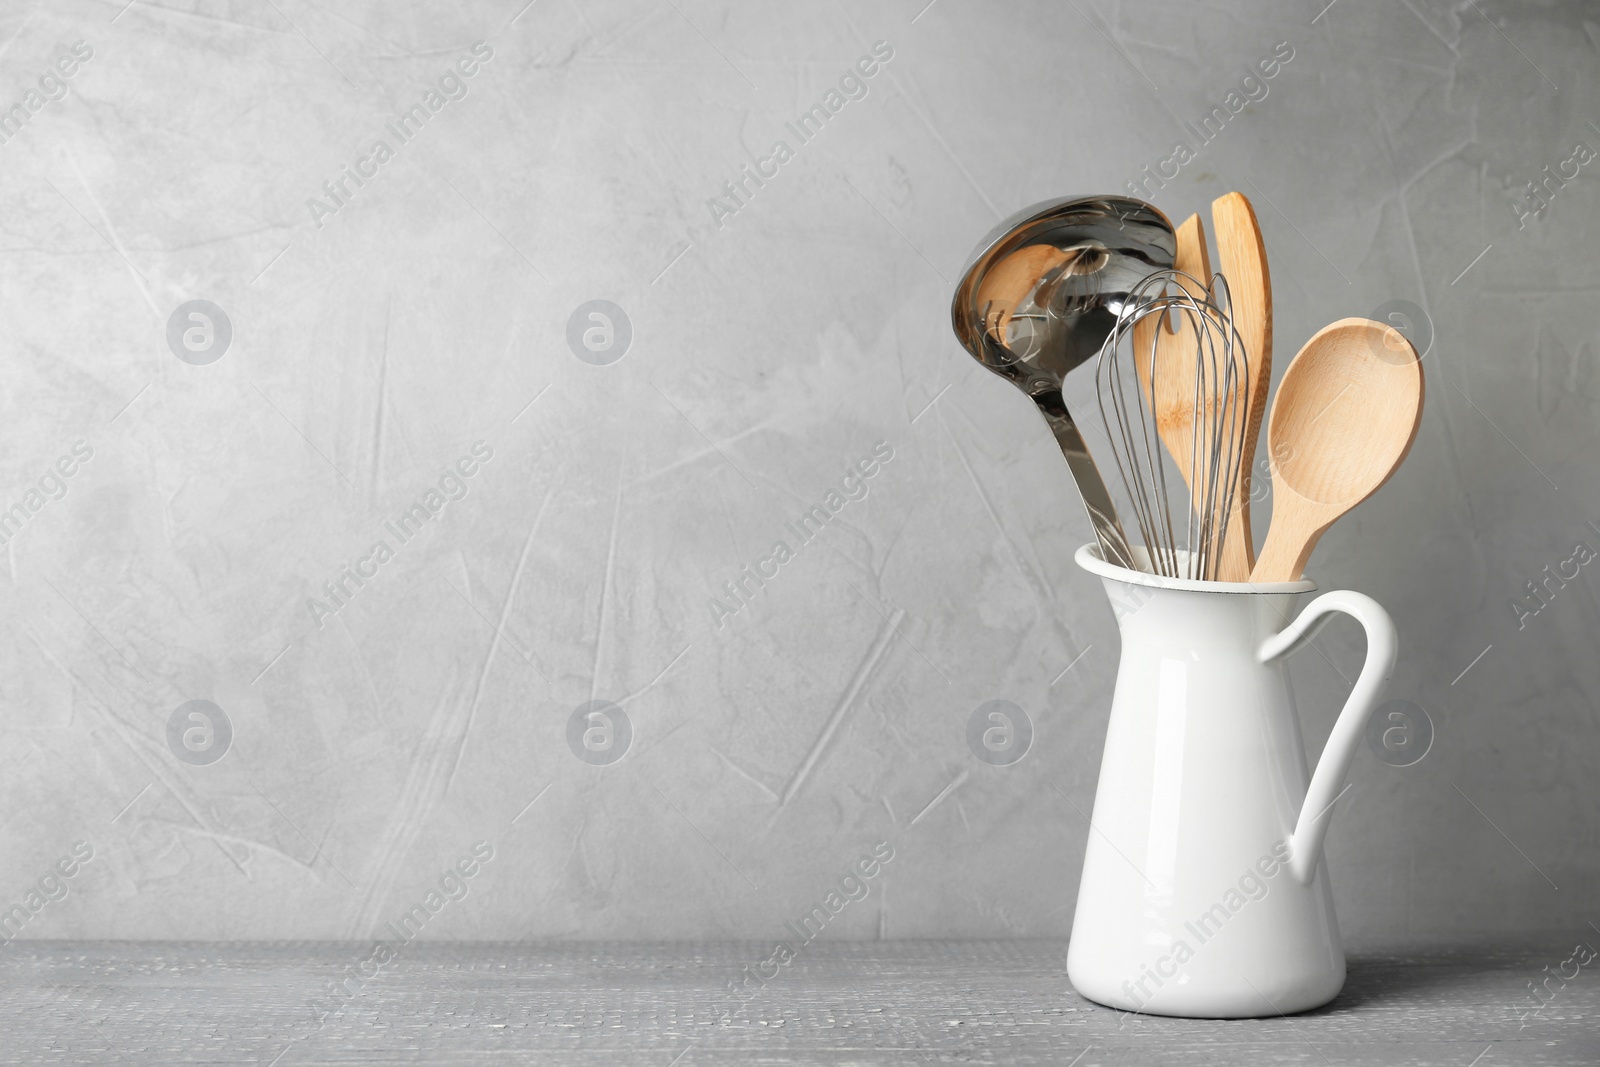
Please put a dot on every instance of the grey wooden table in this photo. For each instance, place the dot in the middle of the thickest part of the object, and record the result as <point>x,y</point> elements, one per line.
<point>671,1005</point>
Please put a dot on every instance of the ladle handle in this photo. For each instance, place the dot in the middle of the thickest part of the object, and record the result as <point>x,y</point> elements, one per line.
<point>1305,845</point>
<point>1086,476</point>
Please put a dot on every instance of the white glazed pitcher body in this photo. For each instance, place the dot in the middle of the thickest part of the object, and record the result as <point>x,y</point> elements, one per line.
<point>1202,894</point>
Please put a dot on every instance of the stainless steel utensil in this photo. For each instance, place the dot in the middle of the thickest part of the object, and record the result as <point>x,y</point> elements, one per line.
<point>1040,295</point>
<point>1191,396</point>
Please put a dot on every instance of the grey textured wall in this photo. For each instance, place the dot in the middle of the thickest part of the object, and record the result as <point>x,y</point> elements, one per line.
<point>377,338</point>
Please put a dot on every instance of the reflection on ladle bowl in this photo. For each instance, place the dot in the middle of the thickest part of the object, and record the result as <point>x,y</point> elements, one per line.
<point>1054,282</point>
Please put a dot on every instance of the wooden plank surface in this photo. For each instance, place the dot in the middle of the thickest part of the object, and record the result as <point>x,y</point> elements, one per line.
<point>672,1005</point>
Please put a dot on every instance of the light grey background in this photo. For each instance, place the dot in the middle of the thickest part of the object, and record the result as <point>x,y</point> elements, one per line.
<point>371,351</point>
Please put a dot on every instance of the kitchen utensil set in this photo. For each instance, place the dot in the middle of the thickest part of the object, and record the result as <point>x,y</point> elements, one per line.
<point>1063,280</point>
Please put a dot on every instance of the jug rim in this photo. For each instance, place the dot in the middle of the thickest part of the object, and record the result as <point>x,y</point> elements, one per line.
<point>1088,557</point>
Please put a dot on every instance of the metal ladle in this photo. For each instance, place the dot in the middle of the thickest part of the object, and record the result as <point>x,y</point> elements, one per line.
<point>1040,295</point>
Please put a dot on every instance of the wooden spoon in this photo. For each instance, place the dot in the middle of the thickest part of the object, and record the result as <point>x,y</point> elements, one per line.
<point>1346,413</point>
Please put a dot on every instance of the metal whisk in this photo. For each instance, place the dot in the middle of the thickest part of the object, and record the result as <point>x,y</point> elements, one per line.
<point>1176,398</point>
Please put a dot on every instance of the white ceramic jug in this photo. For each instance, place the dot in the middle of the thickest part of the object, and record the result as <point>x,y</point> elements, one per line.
<point>1202,895</point>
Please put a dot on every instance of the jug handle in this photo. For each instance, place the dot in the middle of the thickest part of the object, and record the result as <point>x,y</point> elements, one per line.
<point>1305,845</point>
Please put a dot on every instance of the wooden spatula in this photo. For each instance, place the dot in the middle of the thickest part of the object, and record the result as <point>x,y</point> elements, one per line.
<point>1243,261</point>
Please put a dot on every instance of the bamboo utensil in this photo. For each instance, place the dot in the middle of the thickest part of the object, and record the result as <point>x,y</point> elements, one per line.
<point>1346,413</point>
<point>1242,257</point>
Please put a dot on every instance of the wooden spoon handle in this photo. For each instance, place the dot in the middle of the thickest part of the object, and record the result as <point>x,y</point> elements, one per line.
<point>1292,536</point>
